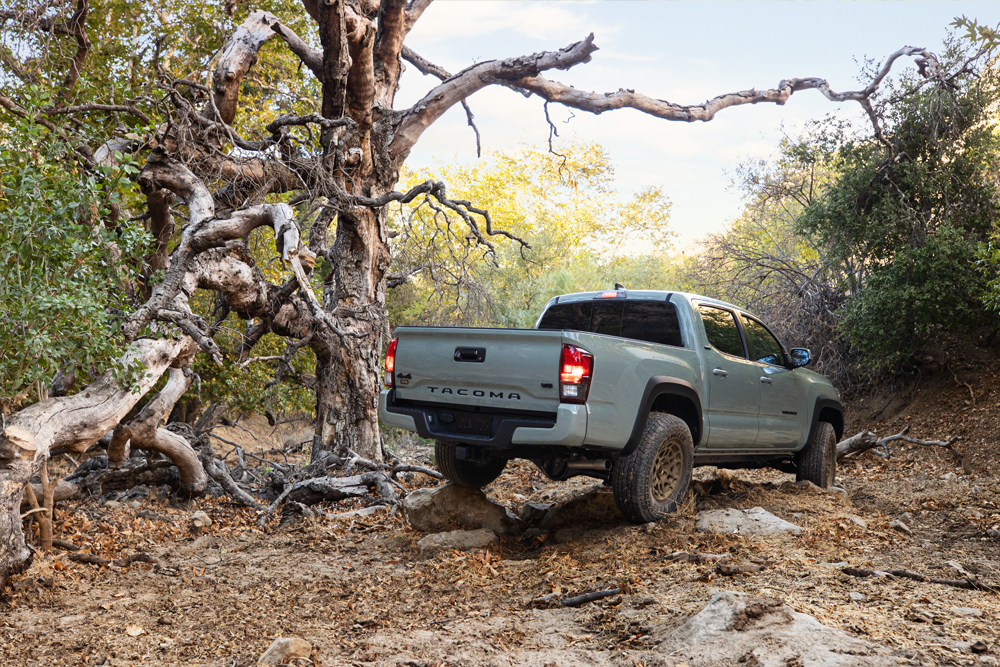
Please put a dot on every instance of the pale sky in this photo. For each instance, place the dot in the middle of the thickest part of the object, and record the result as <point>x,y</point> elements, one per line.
<point>683,52</point>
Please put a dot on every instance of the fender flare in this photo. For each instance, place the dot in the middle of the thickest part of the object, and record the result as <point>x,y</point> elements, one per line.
<point>660,385</point>
<point>823,403</point>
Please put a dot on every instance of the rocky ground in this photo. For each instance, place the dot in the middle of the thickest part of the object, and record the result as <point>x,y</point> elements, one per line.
<point>361,589</point>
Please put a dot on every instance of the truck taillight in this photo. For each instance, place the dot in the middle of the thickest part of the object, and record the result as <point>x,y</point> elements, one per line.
<point>575,369</point>
<point>390,364</point>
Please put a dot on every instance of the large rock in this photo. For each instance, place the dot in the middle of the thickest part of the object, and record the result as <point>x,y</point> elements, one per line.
<point>739,629</point>
<point>284,650</point>
<point>756,521</point>
<point>594,506</point>
<point>449,506</point>
<point>458,539</point>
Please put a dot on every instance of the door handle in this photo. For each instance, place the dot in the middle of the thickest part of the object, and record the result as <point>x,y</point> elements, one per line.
<point>765,380</point>
<point>721,373</point>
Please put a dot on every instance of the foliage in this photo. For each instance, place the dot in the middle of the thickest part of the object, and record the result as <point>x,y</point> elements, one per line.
<point>870,248</point>
<point>764,263</point>
<point>582,238</point>
<point>136,47</point>
<point>65,263</point>
<point>905,217</point>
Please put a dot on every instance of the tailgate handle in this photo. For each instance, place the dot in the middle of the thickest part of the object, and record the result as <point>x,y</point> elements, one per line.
<point>473,354</point>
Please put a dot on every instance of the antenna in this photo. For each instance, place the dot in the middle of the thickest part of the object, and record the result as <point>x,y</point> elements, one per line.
<point>619,286</point>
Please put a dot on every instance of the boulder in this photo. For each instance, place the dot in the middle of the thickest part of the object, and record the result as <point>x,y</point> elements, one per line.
<point>740,629</point>
<point>284,650</point>
<point>752,522</point>
<point>596,505</point>
<point>457,539</point>
<point>445,507</point>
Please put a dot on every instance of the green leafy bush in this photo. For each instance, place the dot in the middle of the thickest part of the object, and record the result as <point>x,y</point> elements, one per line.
<point>64,263</point>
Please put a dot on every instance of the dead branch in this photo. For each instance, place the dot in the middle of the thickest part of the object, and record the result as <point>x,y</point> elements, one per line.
<point>968,583</point>
<point>310,57</point>
<point>626,98</point>
<point>727,570</point>
<point>65,545</point>
<point>319,489</point>
<point>219,472</point>
<point>124,561</point>
<point>972,394</point>
<point>460,86</point>
<point>144,432</point>
<point>694,557</point>
<point>580,600</point>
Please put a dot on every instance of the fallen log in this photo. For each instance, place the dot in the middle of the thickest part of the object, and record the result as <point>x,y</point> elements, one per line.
<point>857,444</point>
<point>865,441</point>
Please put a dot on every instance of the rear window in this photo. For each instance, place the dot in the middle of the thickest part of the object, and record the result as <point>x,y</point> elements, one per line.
<point>573,316</point>
<point>650,321</point>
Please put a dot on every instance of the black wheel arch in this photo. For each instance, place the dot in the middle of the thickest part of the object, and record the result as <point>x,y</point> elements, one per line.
<point>828,409</point>
<point>671,395</point>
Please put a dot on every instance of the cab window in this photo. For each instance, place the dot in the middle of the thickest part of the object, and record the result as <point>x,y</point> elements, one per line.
<point>721,329</point>
<point>764,347</point>
<point>572,316</point>
<point>650,321</point>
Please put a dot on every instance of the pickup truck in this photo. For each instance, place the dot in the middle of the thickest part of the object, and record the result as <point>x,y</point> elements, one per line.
<point>632,387</point>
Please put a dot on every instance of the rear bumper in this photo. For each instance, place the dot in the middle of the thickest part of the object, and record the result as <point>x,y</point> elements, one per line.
<point>568,427</point>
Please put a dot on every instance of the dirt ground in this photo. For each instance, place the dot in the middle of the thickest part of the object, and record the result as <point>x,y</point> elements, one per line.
<point>358,589</point>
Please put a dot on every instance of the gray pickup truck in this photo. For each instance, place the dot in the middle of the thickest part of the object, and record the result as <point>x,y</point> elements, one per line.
<point>633,387</point>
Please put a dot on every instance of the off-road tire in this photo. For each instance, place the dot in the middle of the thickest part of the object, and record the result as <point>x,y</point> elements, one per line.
<point>651,482</point>
<point>817,462</point>
<point>465,473</point>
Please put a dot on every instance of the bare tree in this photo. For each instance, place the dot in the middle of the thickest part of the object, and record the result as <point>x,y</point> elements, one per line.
<point>344,173</point>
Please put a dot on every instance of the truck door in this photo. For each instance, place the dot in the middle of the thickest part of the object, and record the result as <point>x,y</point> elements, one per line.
<point>781,396</point>
<point>733,383</point>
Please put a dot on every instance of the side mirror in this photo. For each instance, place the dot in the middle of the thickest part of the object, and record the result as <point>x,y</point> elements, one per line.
<point>800,356</point>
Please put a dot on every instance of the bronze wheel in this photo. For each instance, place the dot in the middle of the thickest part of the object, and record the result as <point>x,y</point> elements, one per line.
<point>668,466</point>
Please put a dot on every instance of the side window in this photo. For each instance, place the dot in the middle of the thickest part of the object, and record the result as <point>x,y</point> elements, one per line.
<point>574,316</point>
<point>763,346</point>
<point>723,334</point>
<point>607,318</point>
<point>652,321</point>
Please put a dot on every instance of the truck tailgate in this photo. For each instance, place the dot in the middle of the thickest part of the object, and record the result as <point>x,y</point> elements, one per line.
<point>502,369</point>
